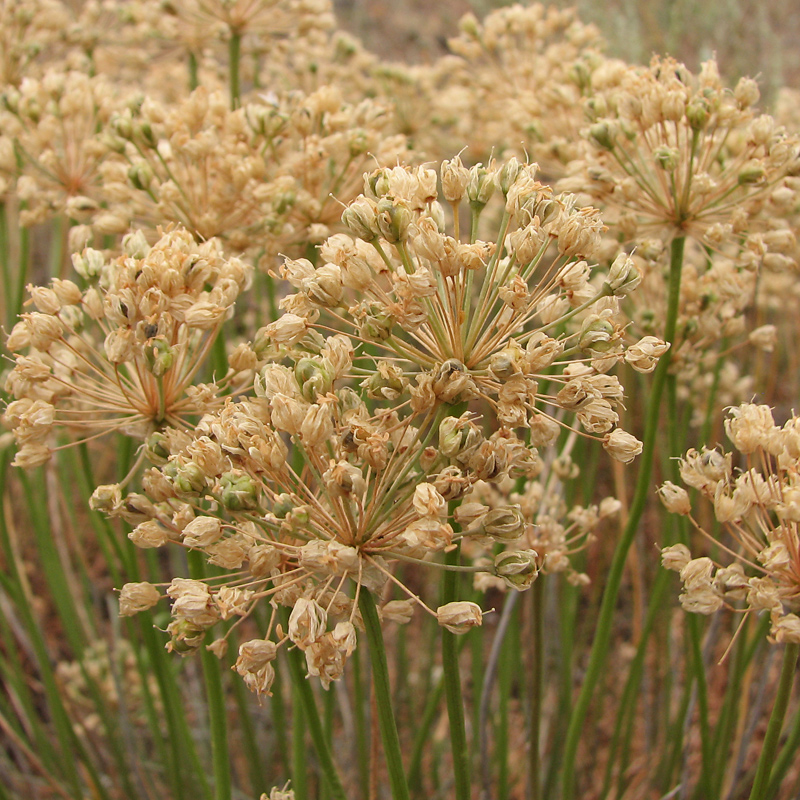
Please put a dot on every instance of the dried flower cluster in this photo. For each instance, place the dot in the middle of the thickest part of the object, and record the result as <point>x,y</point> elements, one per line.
<point>125,354</point>
<point>757,506</point>
<point>522,72</point>
<point>359,451</point>
<point>269,176</point>
<point>677,153</point>
<point>448,331</point>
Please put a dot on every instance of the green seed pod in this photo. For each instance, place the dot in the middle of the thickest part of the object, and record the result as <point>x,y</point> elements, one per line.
<point>159,357</point>
<point>480,186</point>
<point>603,135</point>
<point>509,173</point>
<point>697,113</point>
<point>238,492</point>
<point>453,436</point>
<point>360,218</point>
<point>505,523</point>
<point>145,132</point>
<point>597,335</point>
<point>518,569</point>
<point>376,324</point>
<point>751,173</point>
<point>314,376</point>
<point>388,383</point>
<point>393,219</point>
<point>185,638</point>
<point>623,277</point>
<point>189,478</point>
<point>141,176</point>
<point>378,183</point>
<point>667,158</point>
<point>122,126</point>
<point>283,505</point>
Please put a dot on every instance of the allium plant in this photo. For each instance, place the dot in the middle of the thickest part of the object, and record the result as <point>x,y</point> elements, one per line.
<point>428,406</point>
<point>53,142</point>
<point>379,422</point>
<point>409,366</point>
<point>754,491</point>
<point>679,161</point>
<point>669,150</point>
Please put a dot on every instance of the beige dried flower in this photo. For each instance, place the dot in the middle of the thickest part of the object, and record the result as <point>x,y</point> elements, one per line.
<point>678,153</point>
<point>522,71</point>
<point>124,354</point>
<point>759,508</point>
<point>465,320</point>
<point>266,178</point>
<point>459,617</point>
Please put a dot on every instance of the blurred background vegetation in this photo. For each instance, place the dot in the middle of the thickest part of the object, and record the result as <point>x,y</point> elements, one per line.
<point>749,37</point>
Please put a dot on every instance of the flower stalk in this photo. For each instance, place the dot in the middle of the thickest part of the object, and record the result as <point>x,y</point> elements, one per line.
<point>602,639</point>
<point>770,746</point>
<point>383,695</point>
<point>452,687</point>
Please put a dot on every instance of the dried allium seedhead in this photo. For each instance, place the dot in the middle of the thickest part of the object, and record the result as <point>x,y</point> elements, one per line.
<point>266,178</point>
<point>522,72</point>
<point>759,508</point>
<point>108,673</point>
<point>679,153</point>
<point>27,30</point>
<point>461,320</point>
<point>672,157</point>
<point>124,354</point>
<point>351,458</point>
<point>59,126</point>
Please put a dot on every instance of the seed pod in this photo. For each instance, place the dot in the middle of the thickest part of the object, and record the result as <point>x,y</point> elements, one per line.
<point>518,569</point>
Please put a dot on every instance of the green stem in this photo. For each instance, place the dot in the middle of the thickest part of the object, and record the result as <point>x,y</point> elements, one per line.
<point>23,268</point>
<point>452,687</point>
<point>602,639</point>
<point>383,695</point>
<point>786,758</point>
<point>194,80</point>
<point>506,672</point>
<point>360,704</point>
<point>299,755</point>
<point>5,266</point>
<point>303,688</point>
<point>234,56</point>
<point>699,668</point>
<point>215,697</point>
<point>770,746</point>
<point>537,663</point>
<point>277,709</point>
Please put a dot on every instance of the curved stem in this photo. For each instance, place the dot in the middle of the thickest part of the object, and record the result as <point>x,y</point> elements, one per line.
<point>383,695</point>
<point>299,754</point>
<point>602,638</point>
<point>770,746</point>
